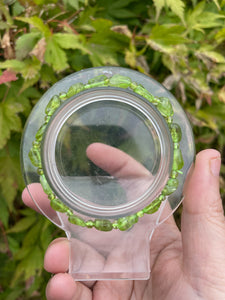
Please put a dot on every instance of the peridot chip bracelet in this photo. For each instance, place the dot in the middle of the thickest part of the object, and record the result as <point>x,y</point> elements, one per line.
<point>163,106</point>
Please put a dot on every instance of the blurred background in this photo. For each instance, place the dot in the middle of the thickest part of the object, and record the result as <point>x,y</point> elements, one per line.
<point>179,43</point>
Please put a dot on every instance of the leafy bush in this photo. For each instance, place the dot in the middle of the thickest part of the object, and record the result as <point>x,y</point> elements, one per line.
<point>179,43</point>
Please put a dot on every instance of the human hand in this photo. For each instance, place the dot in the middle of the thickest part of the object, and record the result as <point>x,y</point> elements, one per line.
<point>187,265</point>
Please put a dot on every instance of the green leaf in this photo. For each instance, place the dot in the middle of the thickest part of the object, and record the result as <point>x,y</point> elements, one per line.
<point>217,4</point>
<point>209,19</point>
<point>24,98</point>
<point>37,23</point>
<point>55,56</point>
<point>4,213</point>
<point>70,41</point>
<point>17,8</point>
<point>12,64</point>
<point>22,224</point>
<point>14,244</point>
<point>10,178</point>
<point>214,56</point>
<point>31,68</point>
<point>105,44</point>
<point>26,43</point>
<point>159,4</point>
<point>220,36</point>
<point>33,235</point>
<point>164,38</point>
<point>46,234</point>
<point>30,264</point>
<point>177,7</point>
<point>30,82</point>
<point>200,19</point>
<point>9,120</point>
<point>102,55</point>
<point>74,3</point>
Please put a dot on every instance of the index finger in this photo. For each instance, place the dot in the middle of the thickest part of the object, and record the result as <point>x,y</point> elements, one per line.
<point>115,161</point>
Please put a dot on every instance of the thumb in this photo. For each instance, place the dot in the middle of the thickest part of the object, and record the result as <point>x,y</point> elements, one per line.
<point>203,223</point>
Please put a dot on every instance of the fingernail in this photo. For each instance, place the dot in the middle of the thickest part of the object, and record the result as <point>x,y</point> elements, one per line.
<point>215,164</point>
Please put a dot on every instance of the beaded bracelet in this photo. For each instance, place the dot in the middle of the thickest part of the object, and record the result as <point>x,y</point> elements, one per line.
<point>165,109</point>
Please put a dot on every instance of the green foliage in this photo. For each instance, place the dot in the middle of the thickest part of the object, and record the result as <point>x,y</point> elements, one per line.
<point>180,43</point>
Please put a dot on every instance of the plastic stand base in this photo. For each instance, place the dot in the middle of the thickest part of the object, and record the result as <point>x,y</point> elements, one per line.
<point>114,255</point>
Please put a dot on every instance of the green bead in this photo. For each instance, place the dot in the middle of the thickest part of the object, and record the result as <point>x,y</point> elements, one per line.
<point>103,225</point>
<point>40,171</point>
<point>140,213</point>
<point>75,89</point>
<point>161,198</point>
<point>47,119</point>
<point>174,174</point>
<point>140,90</point>
<point>40,132</point>
<point>98,78</point>
<point>152,207</point>
<point>36,145</point>
<point>63,96</point>
<point>169,120</point>
<point>53,104</point>
<point>89,224</point>
<point>133,85</point>
<point>45,185</point>
<point>176,133</point>
<point>170,187</point>
<point>165,107</point>
<point>126,222</point>
<point>76,220</point>
<point>57,205</point>
<point>35,157</point>
<point>120,81</point>
<point>178,162</point>
<point>115,225</point>
<point>51,197</point>
<point>97,81</point>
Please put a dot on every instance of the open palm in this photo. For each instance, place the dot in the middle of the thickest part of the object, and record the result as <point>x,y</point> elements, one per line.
<point>184,265</point>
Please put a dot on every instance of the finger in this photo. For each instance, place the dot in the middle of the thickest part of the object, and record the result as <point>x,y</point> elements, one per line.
<point>83,258</point>
<point>203,226</point>
<point>57,256</point>
<point>115,161</point>
<point>39,200</point>
<point>63,287</point>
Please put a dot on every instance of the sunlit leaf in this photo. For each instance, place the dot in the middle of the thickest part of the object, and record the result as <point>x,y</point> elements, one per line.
<point>159,4</point>
<point>55,56</point>
<point>163,38</point>
<point>217,4</point>
<point>70,41</point>
<point>37,23</point>
<point>12,64</point>
<point>220,36</point>
<point>177,7</point>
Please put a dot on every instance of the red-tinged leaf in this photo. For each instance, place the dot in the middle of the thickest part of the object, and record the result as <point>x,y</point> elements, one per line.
<point>8,76</point>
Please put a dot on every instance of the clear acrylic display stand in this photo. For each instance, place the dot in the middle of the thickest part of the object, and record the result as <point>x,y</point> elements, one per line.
<point>106,153</point>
